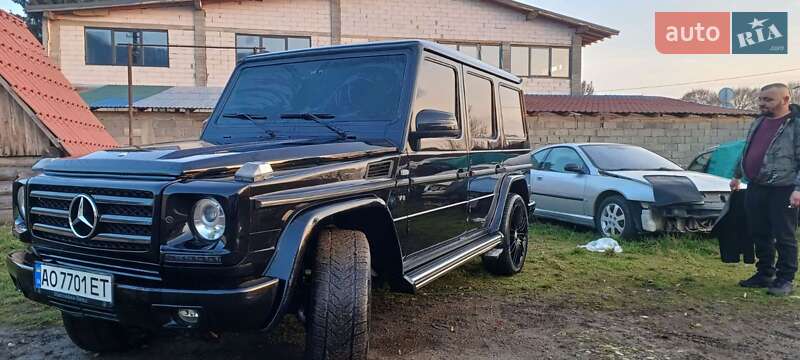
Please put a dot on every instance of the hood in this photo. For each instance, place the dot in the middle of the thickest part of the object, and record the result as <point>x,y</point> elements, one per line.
<point>195,157</point>
<point>703,182</point>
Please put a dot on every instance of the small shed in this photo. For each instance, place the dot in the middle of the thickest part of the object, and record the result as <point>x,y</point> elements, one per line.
<point>675,129</point>
<point>41,115</point>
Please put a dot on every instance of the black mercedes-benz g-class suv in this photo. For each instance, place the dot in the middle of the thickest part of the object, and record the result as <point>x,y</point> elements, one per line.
<point>320,173</point>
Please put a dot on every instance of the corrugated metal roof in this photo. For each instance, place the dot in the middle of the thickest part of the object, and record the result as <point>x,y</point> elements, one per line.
<point>116,96</point>
<point>183,97</point>
<point>622,104</point>
<point>45,90</point>
<point>149,97</point>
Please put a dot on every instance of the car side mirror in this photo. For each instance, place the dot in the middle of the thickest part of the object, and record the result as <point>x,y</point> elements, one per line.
<point>574,168</point>
<point>435,124</point>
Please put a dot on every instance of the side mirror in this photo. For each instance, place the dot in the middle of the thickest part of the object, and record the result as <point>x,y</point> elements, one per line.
<point>574,168</point>
<point>435,124</point>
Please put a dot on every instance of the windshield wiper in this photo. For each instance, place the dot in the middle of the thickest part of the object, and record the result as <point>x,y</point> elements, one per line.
<point>252,118</point>
<point>318,118</point>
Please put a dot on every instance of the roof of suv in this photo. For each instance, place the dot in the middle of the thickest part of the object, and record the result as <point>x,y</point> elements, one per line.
<point>387,45</point>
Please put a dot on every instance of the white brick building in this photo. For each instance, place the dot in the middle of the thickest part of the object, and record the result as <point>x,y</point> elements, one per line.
<point>541,46</point>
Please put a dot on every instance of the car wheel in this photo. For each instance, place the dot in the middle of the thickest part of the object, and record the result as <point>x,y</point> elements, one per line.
<point>338,317</point>
<point>614,218</point>
<point>101,336</point>
<point>515,239</point>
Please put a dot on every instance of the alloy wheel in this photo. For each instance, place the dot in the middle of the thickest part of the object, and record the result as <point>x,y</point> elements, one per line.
<point>612,220</point>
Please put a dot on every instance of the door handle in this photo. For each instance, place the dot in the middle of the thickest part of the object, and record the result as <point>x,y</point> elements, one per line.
<point>462,173</point>
<point>539,177</point>
<point>499,168</point>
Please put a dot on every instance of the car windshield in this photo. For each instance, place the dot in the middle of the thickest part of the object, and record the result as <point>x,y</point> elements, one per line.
<point>626,157</point>
<point>359,95</point>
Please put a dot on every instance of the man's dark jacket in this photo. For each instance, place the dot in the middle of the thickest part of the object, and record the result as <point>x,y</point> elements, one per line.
<point>782,160</point>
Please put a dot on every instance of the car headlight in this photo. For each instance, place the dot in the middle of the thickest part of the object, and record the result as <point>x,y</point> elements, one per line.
<point>208,219</point>
<point>21,201</point>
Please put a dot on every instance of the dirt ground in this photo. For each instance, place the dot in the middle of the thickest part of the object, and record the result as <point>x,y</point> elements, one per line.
<point>469,326</point>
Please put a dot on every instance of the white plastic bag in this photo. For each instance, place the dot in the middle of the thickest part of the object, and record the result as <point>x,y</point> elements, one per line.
<point>602,245</point>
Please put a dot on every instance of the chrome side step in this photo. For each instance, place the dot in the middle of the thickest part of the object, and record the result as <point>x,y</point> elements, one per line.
<point>423,275</point>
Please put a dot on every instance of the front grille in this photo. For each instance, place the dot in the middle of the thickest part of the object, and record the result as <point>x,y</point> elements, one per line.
<point>125,216</point>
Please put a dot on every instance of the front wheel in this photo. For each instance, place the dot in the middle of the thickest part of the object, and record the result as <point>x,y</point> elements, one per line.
<point>338,319</point>
<point>615,218</point>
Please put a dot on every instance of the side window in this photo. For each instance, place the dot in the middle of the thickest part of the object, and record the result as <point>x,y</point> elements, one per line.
<point>511,108</point>
<point>560,157</point>
<point>537,160</point>
<point>480,109</point>
<point>436,88</point>
<point>700,164</point>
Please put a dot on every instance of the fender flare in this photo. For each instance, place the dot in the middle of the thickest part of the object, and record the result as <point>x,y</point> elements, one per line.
<point>499,206</point>
<point>293,242</point>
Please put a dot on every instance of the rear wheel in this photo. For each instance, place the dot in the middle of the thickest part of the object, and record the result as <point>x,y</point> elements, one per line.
<point>514,247</point>
<point>615,218</point>
<point>101,336</point>
<point>338,316</point>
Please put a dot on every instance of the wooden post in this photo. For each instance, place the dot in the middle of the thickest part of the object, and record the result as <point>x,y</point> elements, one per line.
<point>130,94</point>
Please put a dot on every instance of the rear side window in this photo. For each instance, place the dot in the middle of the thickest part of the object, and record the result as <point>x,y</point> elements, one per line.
<point>511,108</point>
<point>480,110</point>
<point>437,88</point>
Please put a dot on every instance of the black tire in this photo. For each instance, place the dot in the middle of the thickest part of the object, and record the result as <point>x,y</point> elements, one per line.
<point>338,312</point>
<point>101,336</point>
<point>619,211</point>
<point>515,239</point>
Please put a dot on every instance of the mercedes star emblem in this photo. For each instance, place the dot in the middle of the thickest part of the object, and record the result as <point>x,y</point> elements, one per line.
<point>83,216</point>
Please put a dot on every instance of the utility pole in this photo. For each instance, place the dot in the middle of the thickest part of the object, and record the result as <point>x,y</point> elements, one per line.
<point>130,94</point>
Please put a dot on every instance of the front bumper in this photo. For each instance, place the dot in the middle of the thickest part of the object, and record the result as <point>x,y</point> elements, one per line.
<point>247,307</point>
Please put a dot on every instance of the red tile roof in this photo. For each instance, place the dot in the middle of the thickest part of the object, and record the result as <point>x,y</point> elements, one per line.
<point>41,85</point>
<point>622,104</point>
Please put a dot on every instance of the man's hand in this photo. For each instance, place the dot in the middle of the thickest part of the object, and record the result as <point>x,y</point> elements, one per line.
<point>794,200</point>
<point>735,183</point>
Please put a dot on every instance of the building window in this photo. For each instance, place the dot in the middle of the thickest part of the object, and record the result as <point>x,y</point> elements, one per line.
<point>489,54</point>
<point>540,61</point>
<point>110,47</point>
<point>257,43</point>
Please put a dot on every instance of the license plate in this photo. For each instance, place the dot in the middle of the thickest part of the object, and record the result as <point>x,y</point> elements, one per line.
<point>72,284</point>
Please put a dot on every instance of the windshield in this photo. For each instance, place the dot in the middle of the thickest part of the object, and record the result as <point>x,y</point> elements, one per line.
<point>359,95</point>
<point>626,157</point>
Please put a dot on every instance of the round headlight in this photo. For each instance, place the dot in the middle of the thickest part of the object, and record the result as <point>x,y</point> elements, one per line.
<point>208,219</point>
<point>21,201</point>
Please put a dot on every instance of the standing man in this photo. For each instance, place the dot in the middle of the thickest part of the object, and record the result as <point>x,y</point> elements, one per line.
<point>771,161</point>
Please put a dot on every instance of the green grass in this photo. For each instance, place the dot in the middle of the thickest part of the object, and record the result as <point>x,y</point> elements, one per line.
<point>665,272</point>
<point>15,309</point>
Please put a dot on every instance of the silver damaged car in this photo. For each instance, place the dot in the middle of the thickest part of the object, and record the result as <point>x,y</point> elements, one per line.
<point>623,190</point>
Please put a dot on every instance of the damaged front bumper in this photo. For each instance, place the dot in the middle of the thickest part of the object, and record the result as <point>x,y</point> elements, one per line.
<point>684,217</point>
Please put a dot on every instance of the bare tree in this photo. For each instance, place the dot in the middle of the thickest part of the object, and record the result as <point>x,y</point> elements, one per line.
<point>702,96</point>
<point>587,88</point>
<point>794,86</point>
<point>34,21</point>
<point>745,98</point>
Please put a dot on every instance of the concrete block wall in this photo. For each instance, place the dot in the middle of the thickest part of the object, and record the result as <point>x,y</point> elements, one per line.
<point>153,127</point>
<point>676,138</point>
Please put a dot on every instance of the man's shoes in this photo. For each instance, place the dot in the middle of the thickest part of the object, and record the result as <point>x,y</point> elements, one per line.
<point>758,280</point>
<point>780,287</point>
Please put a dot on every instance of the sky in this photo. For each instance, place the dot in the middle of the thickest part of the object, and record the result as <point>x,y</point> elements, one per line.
<point>630,60</point>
